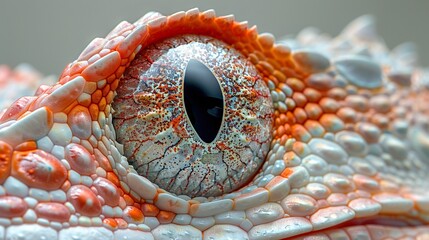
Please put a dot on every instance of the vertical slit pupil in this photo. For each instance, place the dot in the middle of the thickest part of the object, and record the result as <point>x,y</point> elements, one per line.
<point>204,101</point>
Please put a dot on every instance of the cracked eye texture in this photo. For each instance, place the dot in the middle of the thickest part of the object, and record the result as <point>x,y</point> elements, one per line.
<point>159,138</point>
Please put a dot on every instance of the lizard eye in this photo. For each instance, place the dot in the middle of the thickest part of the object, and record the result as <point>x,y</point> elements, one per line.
<point>194,116</point>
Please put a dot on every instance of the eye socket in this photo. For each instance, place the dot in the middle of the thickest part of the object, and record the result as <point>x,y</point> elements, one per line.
<point>182,133</point>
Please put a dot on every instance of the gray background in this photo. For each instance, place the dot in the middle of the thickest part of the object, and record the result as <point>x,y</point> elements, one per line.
<point>50,34</point>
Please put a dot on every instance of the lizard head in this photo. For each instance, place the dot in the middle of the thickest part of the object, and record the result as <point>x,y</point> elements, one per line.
<point>195,126</point>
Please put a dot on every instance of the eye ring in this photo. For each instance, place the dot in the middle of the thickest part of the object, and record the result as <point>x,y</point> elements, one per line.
<point>160,140</point>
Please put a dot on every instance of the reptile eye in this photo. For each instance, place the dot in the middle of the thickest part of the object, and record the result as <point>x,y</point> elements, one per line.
<point>194,116</point>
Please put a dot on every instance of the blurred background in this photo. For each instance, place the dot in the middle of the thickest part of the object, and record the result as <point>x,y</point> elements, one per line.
<point>50,34</point>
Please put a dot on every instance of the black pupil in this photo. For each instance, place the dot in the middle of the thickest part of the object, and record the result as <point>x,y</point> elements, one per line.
<point>203,100</point>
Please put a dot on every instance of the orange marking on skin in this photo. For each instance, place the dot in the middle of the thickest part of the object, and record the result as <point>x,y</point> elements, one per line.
<point>109,97</point>
<point>102,68</point>
<point>134,213</point>
<point>286,173</point>
<point>299,132</point>
<point>102,104</point>
<point>66,186</point>
<point>283,139</point>
<point>107,190</point>
<point>113,178</point>
<point>38,169</point>
<point>312,95</point>
<point>96,96</point>
<point>299,147</point>
<point>17,108</point>
<point>279,76</point>
<point>313,111</point>
<point>121,223</point>
<point>111,78</point>
<point>53,211</point>
<point>26,146</point>
<point>165,217</point>
<point>299,99</point>
<point>77,68</point>
<point>11,206</point>
<point>300,115</point>
<point>111,223</point>
<point>121,69</point>
<point>5,160</point>
<point>149,210</point>
<point>106,90</point>
<point>128,199</point>
<point>94,111</point>
<point>102,160</point>
<point>84,200</point>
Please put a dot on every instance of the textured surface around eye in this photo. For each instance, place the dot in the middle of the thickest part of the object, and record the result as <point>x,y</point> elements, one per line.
<point>159,140</point>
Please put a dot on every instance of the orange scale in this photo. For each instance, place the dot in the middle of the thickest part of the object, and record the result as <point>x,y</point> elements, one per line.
<point>314,128</point>
<point>299,148</point>
<point>17,108</point>
<point>80,159</point>
<point>149,210</point>
<point>267,67</point>
<point>66,186</point>
<point>5,160</point>
<point>280,131</point>
<point>300,133</point>
<point>112,77</point>
<point>79,121</point>
<point>94,111</point>
<point>279,76</point>
<point>111,176</point>
<point>380,120</point>
<point>96,96</point>
<point>110,223</point>
<point>134,214</point>
<point>107,190</point>
<point>53,211</point>
<point>283,139</point>
<point>102,104</point>
<point>110,97</point>
<point>128,199</point>
<point>38,169</point>
<point>331,122</point>
<point>295,84</point>
<point>291,118</point>
<point>312,95</point>
<point>347,114</point>
<point>76,68</point>
<point>121,69</point>
<point>299,99</point>
<point>165,217</point>
<point>329,105</point>
<point>103,162</point>
<point>313,111</point>
<point>121,223</point>
<point>11,206</point>
<point>84,201</point>
<point>26,146</point>
<point>106,90</point>
<point>300,115</point>
<point>337,93</point>
<point>286,173</point>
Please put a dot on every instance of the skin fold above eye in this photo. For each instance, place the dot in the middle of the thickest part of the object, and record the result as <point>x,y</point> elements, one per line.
<point>339,127</point>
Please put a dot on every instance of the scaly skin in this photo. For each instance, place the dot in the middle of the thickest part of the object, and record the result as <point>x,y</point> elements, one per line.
<point>348,159</point>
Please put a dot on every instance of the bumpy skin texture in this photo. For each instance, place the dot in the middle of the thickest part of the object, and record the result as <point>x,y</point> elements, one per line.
<point>348,159</point>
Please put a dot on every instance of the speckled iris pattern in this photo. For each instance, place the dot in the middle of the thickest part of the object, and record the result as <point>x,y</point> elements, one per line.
<point>158,137</point>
